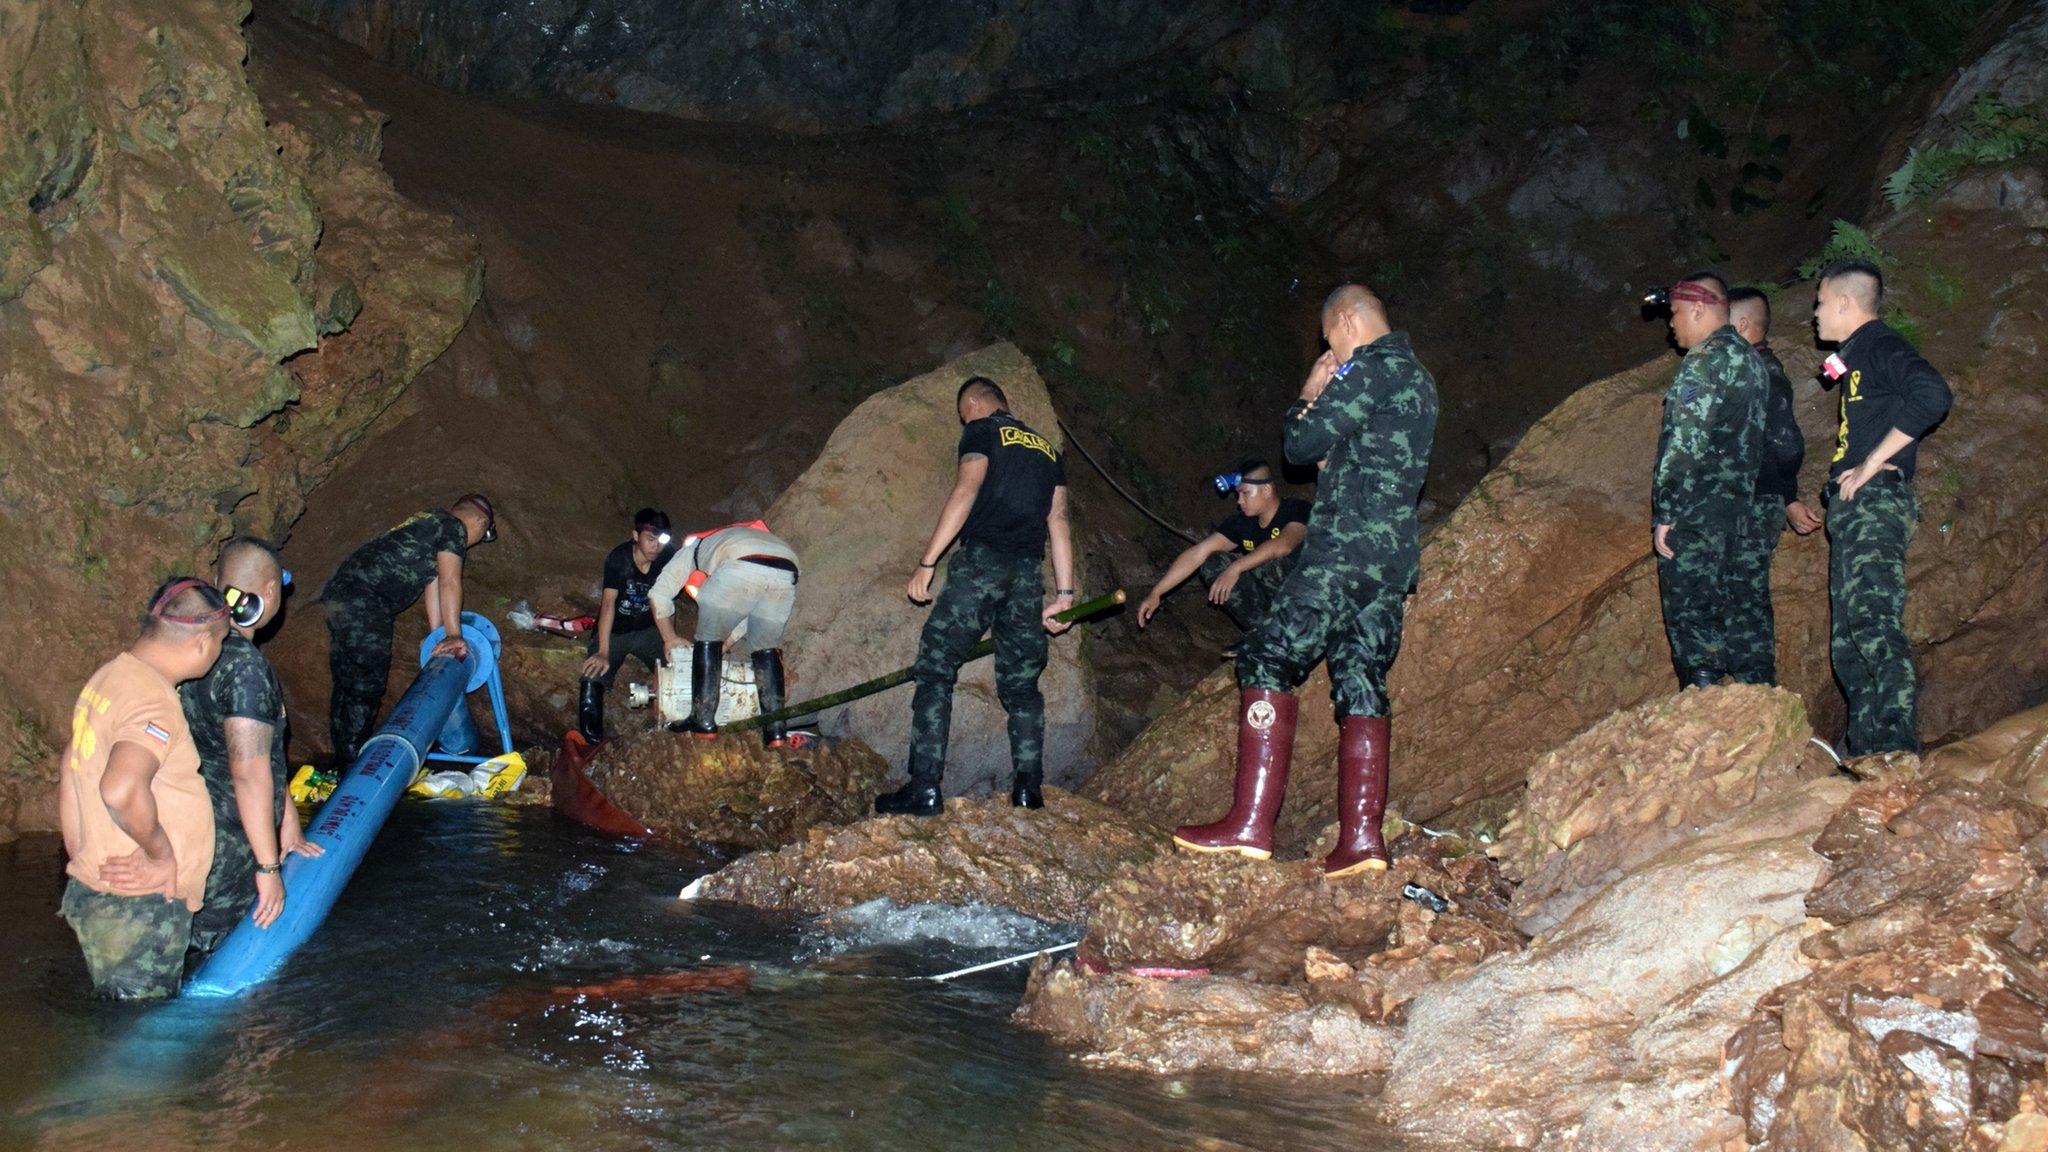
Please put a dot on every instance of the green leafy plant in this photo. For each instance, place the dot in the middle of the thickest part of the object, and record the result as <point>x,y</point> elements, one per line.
<point>1993,134</point>
<point>1848,242</point>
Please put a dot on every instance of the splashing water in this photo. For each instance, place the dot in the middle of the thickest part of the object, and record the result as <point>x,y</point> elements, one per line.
<point>494,978</point>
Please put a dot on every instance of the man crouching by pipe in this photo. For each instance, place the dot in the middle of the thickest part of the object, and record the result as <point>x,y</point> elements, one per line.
<point>739,574</point>
<point>1369,407</point>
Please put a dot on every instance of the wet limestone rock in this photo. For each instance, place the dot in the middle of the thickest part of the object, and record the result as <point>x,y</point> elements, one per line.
<point>1260,918</point>
<point>1194,961</point>
<point>1606,1033</point>
<point>732,790</point>
<point>203,300</point>
<point>1048,863</point>
<point>2013,752</point>
<point>1201,1023</point>
<point>1642,780</point>
<point>858,517</point>
<point>1927,1019</point>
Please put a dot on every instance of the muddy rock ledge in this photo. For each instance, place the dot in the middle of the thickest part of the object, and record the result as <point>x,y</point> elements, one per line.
<point>1048,863</point>
<point>732,790</point>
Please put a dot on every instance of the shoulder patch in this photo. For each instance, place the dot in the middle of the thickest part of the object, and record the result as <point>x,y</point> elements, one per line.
<point>1688,392</point>
<point>1013,437</point>
<point>157,732</point>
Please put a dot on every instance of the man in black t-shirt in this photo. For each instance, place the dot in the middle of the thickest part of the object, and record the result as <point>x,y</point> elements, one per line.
<point>1244,560</point>
<point>1009,495</point>
<point>381,579</point>
<point>1891,399</point>
<point>625,619</point>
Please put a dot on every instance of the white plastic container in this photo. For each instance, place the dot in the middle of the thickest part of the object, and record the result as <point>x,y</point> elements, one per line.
<point>737,698</point>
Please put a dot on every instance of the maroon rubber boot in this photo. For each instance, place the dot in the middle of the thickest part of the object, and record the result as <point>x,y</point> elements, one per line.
<point>1265,741</point>
<point>1361,797</point>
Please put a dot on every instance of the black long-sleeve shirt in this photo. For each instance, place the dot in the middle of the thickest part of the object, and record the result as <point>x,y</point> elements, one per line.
<point>1784,444</point>
<point>1888,386</point>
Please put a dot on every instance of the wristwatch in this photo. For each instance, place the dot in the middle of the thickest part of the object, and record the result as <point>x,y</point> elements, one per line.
<point>270,869</point>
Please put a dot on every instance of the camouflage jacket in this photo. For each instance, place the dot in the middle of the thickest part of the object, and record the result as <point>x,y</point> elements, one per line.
<point>1374,424</point>
<point>1712,443</point>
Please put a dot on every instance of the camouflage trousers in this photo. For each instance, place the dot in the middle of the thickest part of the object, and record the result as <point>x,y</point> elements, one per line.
<point>984,592</point>
<point>1324,612</point>
<point>231,882</point>
<point>1752,626</point>
<point>359,640</point>
<point>1697,588</point>
<point>1254,592</point>
<point>1867,540</point>
<point>134,945</point>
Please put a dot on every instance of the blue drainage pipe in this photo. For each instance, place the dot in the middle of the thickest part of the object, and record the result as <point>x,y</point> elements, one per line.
<point>387,765</point>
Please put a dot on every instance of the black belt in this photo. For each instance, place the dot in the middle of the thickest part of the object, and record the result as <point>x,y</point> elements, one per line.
<point>777,562</point>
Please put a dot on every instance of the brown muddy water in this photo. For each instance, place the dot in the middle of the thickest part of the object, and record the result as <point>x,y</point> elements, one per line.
<point>424,1016</point>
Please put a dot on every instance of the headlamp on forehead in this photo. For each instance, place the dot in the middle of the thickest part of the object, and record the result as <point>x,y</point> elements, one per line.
<point>1683,292</point>
<point>662,538</point>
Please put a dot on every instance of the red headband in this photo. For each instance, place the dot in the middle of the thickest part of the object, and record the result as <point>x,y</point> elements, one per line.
<point>1694,292</point>
<point>210,616</point>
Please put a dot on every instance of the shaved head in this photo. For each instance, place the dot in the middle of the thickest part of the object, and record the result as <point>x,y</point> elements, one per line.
<point>182,606</point>
<point>1850,295</point>
<point>1750,311</point>
<point>247,562</point>
<point>1356,300</point>
<point>1353,317</point>
<point>1859,280</point>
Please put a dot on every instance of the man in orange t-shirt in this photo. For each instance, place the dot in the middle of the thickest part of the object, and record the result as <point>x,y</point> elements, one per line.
<point>138,825</point>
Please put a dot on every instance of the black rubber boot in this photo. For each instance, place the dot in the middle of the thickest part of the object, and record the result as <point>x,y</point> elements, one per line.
<point>1024,791</point>
<point>707,661</point>
<point>768,683</point>
<point>590,710</point>
<point>913,799</point>
<point>1698,678</point>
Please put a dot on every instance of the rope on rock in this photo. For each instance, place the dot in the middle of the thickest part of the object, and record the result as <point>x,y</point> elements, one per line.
<point>1134,502</point>
<point>1034,954</point>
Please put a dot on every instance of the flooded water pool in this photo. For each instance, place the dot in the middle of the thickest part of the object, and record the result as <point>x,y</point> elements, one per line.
<point>422,1016</point>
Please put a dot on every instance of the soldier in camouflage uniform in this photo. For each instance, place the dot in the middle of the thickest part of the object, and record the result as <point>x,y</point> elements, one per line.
<point>1752,638</point>
<point>138,828</point>
<point>1368,412</point>
<point>1009,496</point>
<point>379,580</point>
<point>237,717</point>
<point>1891,398</point>
<point>1708,456</point>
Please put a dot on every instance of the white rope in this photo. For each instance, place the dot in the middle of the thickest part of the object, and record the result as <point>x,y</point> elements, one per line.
<point>1007,960</point>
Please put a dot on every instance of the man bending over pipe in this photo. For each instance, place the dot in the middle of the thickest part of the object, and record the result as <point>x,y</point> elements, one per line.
<point>1247,555</point>
<point>422,554</point>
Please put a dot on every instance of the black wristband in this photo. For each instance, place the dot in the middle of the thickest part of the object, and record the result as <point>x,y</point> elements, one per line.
<point>1062,592</point>
<point>922,564</point>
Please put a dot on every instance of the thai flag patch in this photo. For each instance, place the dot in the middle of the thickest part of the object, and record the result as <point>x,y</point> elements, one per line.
<point>158,731</point>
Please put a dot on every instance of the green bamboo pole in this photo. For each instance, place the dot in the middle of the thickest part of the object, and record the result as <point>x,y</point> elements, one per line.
<point>1077,613</point>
